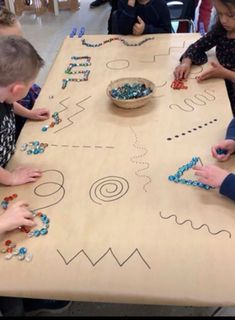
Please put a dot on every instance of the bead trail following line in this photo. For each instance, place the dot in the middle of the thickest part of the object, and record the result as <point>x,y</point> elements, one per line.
<point>109,251</point>
<point>177,177</point>
<point>187,100</point>
<point>108,189</point>
<point>69,71</point>
<point>192,130</point>
<point>137,173</point>
<point>192,226</point>
<point>126,43</point>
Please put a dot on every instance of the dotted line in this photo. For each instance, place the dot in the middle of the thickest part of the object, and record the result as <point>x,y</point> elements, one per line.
<point>85,146</point>
<point>192,130</point>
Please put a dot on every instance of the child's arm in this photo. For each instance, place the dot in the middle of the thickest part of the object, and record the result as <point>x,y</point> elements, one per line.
<point>19,176</point>
<point>37,114</point>
<point>217,71</point>
<point>212,175</point>
<point>15,216</point>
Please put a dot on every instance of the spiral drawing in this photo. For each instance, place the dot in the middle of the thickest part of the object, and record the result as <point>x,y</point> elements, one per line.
<point>108,189</point>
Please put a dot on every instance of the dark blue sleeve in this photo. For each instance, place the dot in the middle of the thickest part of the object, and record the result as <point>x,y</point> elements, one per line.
<point>126,17</point>
<point>228,186</point>
<point>197,51</point>
<point>163,24</point>
<point>230,134</point>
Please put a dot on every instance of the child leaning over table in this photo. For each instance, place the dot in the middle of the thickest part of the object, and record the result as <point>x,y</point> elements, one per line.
<point>139,17</point>
<point>10,26</point>
<point>215,176</point>
<point>222,36</point>
<point>19,66</point>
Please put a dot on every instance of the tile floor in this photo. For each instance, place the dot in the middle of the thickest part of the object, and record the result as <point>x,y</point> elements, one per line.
<point>46,33</point>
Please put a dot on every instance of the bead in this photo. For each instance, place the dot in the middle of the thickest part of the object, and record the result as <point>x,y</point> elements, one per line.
<point>8,256</point>
<point>43,231</point>
<point>36,233</point>
<point>29,257</point>
<point>8,242</point>
<point>22,250</point>
<point>21,257</point>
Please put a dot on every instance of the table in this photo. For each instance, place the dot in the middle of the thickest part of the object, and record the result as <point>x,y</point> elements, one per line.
<point>120,231</point>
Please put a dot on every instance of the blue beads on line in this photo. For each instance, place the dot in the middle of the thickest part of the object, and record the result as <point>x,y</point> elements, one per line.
<point>177,177</point>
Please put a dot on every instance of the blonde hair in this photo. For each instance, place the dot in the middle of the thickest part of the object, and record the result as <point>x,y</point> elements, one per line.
<point>19,61</point>
<point>7,18</point>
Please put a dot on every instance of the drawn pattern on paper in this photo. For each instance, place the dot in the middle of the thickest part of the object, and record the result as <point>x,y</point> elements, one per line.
<point>108,189</point>
<point>110,252</point>
<point>193,227</point>
<point>135,160</point>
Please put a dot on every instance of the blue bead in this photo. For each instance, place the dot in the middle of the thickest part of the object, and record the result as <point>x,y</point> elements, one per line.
<point>22,250</point>
<point>171,178</point>
<point>43,231</point>
<point>36,233</point>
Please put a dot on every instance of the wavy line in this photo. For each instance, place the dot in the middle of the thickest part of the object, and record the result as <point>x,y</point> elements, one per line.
<point>73,115</point>
<point>102,257</point>
<point>195,228</point>
<point>140,162</point>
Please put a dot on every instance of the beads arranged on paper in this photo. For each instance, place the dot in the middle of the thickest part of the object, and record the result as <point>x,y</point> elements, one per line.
<point>177,177</point>
<point>10,250</point>
<point>56,121</point>
<point>45,225</point>
<point>178,84</point>
<point>34,147</point>
<point>85,73</point>
<point>130,91</point>
<point>6,200</point>
<point>84,43</point>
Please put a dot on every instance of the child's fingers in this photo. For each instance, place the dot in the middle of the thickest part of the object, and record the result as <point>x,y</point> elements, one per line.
<point>29,223</point>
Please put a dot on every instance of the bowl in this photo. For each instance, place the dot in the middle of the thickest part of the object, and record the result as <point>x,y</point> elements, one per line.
<point>130,103</point>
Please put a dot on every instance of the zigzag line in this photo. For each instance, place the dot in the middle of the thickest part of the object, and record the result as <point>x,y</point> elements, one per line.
<point>65,108</point>
<point>163,54</point>
<point>195,228</point>
<point>102,257</point>
<point>73,115</point>
<point>140,162</point>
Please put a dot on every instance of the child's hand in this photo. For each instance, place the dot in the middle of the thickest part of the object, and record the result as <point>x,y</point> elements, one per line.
<point>15,216</point>
<point>139,26</point>
<point>183,69</point>
<point>22,176</point>
<point>39,114</point>
<point>212,175</point>
<point>228,145</point>
<point>217,71</point>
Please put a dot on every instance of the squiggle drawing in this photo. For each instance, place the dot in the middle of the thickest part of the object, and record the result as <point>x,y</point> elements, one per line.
<point>198,100</point>
<point>109,251</point>
<point>195,228</point>
<point>73,115</point>
<point>144,163</point>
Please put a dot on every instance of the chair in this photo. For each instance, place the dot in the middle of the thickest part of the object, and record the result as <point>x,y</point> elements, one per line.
<point>183,12</point>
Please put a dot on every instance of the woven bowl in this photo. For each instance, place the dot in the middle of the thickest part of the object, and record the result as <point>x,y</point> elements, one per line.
<point>131,103</point>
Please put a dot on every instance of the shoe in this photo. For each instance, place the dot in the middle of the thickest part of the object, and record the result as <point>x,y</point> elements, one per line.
<point>97,3</point>
<point>35,306</point>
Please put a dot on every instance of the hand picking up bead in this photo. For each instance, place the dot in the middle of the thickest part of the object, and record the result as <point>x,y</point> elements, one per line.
<point>45,225</point>
<point>221,151</point>
<point>177,177</point>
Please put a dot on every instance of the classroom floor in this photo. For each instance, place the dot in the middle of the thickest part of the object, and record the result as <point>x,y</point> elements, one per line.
<point>46,33</point>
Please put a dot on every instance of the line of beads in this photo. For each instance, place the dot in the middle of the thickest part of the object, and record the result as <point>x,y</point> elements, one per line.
<point>56,121</point>
<point>84,43</point>
<point>85,78</point>
<point>34,147</point>
<point>6,200</point>
<point>11,250</point>
<point>45,225</point>
<point>176,178</point>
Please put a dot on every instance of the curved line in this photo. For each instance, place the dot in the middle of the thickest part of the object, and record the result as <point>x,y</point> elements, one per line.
<point>121,264</point>
<point>201,69</point>
<point>59,184</point>
<point>128,64</point>
<point>209,94</point>
<point>162,85</point>
<point>177,105</point>
<point>195,228</point>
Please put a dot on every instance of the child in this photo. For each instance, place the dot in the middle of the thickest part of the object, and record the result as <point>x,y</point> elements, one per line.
<point>222,36</point>
<point>216,176</point>
<point>139,17</point>
<point>19,66</point>
<point>9,25</point>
